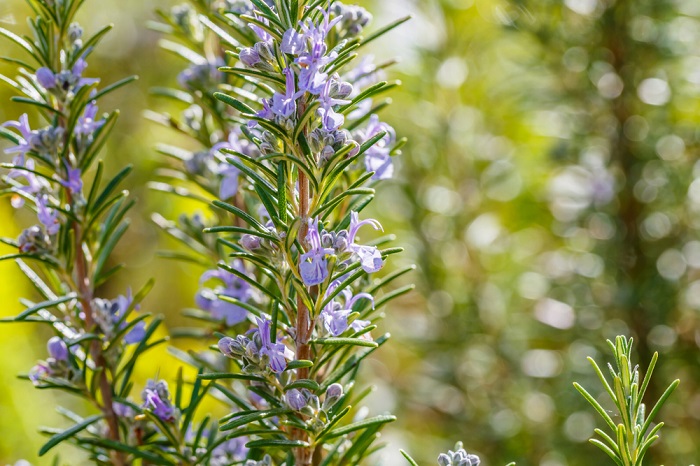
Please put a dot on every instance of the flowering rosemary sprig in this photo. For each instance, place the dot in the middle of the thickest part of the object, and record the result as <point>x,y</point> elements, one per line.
<point>290,144</point>
<point>80,219</point>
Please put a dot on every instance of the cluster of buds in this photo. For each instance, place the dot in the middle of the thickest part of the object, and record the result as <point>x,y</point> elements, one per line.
<point>257,353</point>
<point>459,457</point>
<point>56,366</point>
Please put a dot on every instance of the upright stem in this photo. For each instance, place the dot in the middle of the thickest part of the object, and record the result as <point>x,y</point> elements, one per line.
<point>303,455</point>
<point>85,298</point>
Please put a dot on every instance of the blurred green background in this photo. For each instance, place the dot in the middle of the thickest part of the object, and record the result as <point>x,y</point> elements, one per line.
<point>549,196</point>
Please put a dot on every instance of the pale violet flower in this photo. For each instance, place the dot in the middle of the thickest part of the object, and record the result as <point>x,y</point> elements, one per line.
<point>378,157</point>
<point>370,257</point>
<point>313,265</point>
<point>88,122</point>
<point>34,183</point>
<point>156,399</point>
<point>330,119</point>
<point>67,80</point>
<point>47,216</point>
<point>276,352</point>
<point>335,314</point>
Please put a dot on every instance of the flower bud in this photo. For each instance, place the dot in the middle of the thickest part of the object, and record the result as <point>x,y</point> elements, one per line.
<point>46,78</point>
<point>355,150</point>
<point>57,349</point>
<point>75,32</point>
<point>225,346</point>
<point>250,242</point>
<point>333,394</point>
<point>327,153</point>
<point>33,240</point>
<point>264,51</point>
<point>444,460</point>
<point>249,57</point>
<point>295,399</point>
<point>326,239</point>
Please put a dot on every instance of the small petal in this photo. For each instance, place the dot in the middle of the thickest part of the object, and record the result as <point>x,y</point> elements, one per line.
<point>46,78</point>
<point>57,349</point>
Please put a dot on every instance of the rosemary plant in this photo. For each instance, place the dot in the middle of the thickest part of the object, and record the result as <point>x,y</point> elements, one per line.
<point>66,255</point>
<point>634,434</point>
<point>289,145</point>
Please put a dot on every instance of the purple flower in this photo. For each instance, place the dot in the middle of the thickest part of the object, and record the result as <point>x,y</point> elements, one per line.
<point>47,216</point>
<point>39,372</point>
<point>370,257</point>
<point>234,287</point>
<point>110,315</point>
<point>266,113</point>
<point>123,305</point>
<point>276,352</point>
<point>33,186</point>
<point>156,398</point>
<point>378,157</point>
<point>458,458</point>
<point>87,124</point>
<point>74,182</point>
<point>285,105</point>
<point>24,145</point>
<point>312,57</point>
<point>330,119</point>
<point>66,80</point>
<point>313,265</point>
<point>295,399</point>
<point>57,349</point>
<point>293,43</point>
<point>335,315</point>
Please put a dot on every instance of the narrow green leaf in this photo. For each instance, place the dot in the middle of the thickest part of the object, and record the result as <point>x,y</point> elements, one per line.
<point>410,460</point>
<point>115,86</point>
<point>151,458</point>
<point>68,433</point>
<point>298,364</point>
<point>17,40</point>
<point>240,214</point>
<point>37,103</point>
<point>593,402</point>
<point>654,411</point>
<point>235,103</point>
<point>303,383</point>
<point>274,443</point>
<point>243,231</point>
<point>111,186</point>
<point>337,341</point>
<point>227,375</point>
<point>364,424</point>
<point>253,417</point>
